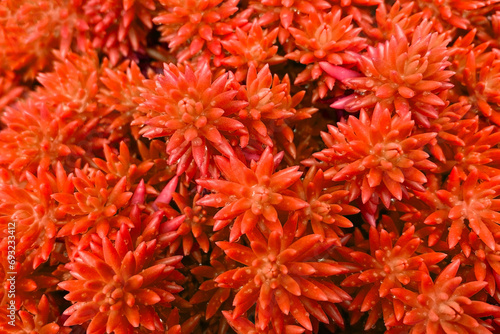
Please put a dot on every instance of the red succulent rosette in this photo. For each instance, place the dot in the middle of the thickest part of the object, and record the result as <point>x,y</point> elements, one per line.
<point>117,287</point>
<point>445,304</point>
<point>251,195</point>
<point>402,74</point>
<point>193,113</point>
<point>282,272</point>
<point>386,267</point>
<point>379,158</point>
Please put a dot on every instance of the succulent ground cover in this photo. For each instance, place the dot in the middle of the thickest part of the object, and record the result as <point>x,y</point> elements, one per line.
<point>249,166</point>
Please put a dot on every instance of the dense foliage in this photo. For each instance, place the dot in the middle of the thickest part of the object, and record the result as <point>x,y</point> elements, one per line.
<point>249,166</point>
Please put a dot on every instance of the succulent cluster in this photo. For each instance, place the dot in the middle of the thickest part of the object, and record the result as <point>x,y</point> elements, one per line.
<point>249,166</point>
